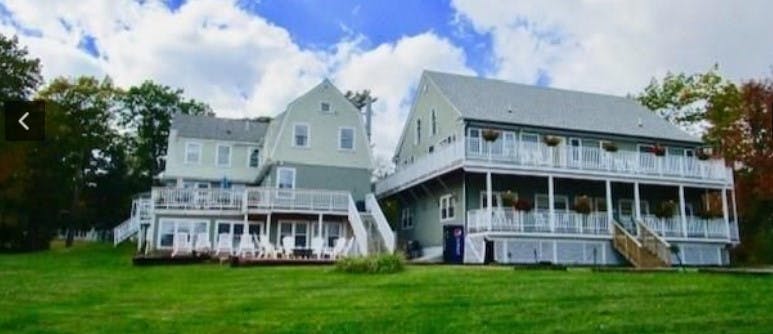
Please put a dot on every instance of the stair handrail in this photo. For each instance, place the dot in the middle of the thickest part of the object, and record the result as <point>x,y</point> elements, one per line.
<point>655,243</point>
<point>360,235</point>
<point>371,205</point>
<point>632,253</point>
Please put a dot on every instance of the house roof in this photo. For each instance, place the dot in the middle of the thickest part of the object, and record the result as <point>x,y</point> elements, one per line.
<point>206,127</point>
<point>500,101</point>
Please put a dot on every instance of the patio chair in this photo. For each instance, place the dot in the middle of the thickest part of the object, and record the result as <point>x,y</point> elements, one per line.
<point>337,247</point>
<point>181,245</point>
<point>317,247</point>
<point>288,245</point>
<point>202,245</point>
<point>267,249</point>
<point>224,244</point>
<point>246,245</point>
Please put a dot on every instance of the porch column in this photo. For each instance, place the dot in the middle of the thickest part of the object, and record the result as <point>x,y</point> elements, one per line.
<point>319,226</point>
<point>725,213</point>
<point>637,205</point>
<point>610,218</point>
<point>735,210</point>
<point>268,227</point>
<point>682,211</point>
<point>551,206</point>
<point>489,212</point>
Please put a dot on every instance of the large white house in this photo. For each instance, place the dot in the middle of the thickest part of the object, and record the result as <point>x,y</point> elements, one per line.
<point>302,176</point>
<point>489,170</point>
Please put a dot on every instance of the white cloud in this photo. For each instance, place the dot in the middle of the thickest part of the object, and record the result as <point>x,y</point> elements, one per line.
<point>237,62</point>
<point>617,46</point>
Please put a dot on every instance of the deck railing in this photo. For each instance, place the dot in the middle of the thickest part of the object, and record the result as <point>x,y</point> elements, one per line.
<point>250,199</point>
<point>537,221</point>
<point>697,228</point>
<point>537,154</point>
<point>655,244</point>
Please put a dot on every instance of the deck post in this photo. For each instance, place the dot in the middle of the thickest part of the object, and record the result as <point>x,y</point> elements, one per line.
<point>551,205</point>
<point>637,205</point>
<point>266,233</point>
<point>319,226</point>
<point>610,218</point>
<point>725,212</point>
<point>682,211</point>
<point>735,211</point>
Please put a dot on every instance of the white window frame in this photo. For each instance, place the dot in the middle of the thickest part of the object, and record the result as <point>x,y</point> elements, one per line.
<point>188,150</point>
<point>496,197</point>
<point>249,156</point>
<point>279,176</point>
<point>556,199</point>
<point>175,223</point>
<point>308,135</point>
<point>329,107</point>
<point>449,202</point>
<point>294,231</point>
<point>433,123</point>
<point>406,216</point>
<point>217,155</point>
<point>340,136</point>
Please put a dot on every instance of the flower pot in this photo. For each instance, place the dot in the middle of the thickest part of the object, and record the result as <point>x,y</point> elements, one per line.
<point>609,146</point>
<point>490,135</point>
<point>551,140</point>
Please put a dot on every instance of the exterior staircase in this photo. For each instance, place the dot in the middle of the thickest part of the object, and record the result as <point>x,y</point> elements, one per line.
<point>140,214</point>
<point>649,250</point>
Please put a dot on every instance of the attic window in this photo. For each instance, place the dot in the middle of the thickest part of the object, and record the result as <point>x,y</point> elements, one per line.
<point>324,107</point>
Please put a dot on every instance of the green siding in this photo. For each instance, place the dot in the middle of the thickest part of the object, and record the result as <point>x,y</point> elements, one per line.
<point>207,169</point>
<point>427,227</point>
<point>354,180</point>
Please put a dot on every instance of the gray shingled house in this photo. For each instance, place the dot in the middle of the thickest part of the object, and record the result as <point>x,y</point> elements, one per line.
<point>489,170</point>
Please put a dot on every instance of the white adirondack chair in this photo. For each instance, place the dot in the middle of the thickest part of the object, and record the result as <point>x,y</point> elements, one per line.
<point>318,247</point>
<point>202,244</point>
<point>267,249</point>
<point>224,244</point>
<point>288,244</point>
<point>246,245</point>
<point>181,245</point>
<point>338,248</point>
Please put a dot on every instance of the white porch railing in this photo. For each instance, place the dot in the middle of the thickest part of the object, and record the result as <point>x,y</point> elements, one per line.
<point>697,228</point>
<point>140,213</point>
<point>597,159</point>
<point>562,157</point>
<point>250,199</point>
<point>360,234</point>
<point>297,199</point>
<point>537,221</point>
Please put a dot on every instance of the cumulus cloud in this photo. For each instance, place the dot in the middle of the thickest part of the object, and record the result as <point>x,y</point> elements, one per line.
<point>239,63</point>
<point>617,46</point>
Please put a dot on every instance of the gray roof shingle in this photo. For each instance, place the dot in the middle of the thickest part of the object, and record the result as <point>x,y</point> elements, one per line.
<point>489,100</point>
<point>206,127</point>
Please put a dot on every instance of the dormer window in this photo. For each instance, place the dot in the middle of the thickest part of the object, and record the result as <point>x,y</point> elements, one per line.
<point>325,107</point>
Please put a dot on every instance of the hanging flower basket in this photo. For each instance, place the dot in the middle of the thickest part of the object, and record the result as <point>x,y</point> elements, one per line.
<point>582,205</point>
<point>703,153</point>
<point>522,205</point>
<point>490,135</point>
<point>665,209</point>
<point>609,146</point>
<point>551,140</point>
<point>658,150</point>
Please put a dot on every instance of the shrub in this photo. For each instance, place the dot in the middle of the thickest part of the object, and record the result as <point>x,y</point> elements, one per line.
<point>665,209</point>
<point>508,198</point>
<point>490,135</point>
<point>609,146</point>
<point>372,264</point>
<point>551,140</point>
<point>582,205</point>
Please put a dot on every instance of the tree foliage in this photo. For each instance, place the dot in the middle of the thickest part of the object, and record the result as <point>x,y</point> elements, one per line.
<point>360,99</point>
<point>20,73</point>
<point>147,112</point>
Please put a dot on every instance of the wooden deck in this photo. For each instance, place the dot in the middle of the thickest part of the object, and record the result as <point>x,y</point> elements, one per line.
<point>233,261</point>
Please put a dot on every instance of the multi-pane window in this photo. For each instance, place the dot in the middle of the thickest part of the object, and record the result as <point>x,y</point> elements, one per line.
<point>254,158</point>
<point>301,135</point>
<point>324,107</point>
<point>406,218</point>
<point>285,178</point>
<point>223,156</point>
<point>346,139</point>
<point>192,153</point>
<point>447,207</point>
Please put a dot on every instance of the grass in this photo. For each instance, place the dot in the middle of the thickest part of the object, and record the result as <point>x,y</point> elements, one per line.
<point>94,288</point>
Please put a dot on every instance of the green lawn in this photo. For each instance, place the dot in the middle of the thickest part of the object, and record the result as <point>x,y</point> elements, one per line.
<point>94,288</point>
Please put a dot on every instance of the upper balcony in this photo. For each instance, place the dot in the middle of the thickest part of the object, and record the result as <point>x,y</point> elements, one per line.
<point>530,156</point>
<point>251,199</point>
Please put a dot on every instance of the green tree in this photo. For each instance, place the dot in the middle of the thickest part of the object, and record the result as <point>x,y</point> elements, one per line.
<point>85,108</point>
<point>147,111</point>
<point>360,99</point>
<point>681,98</point>
<point>20,73</point>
